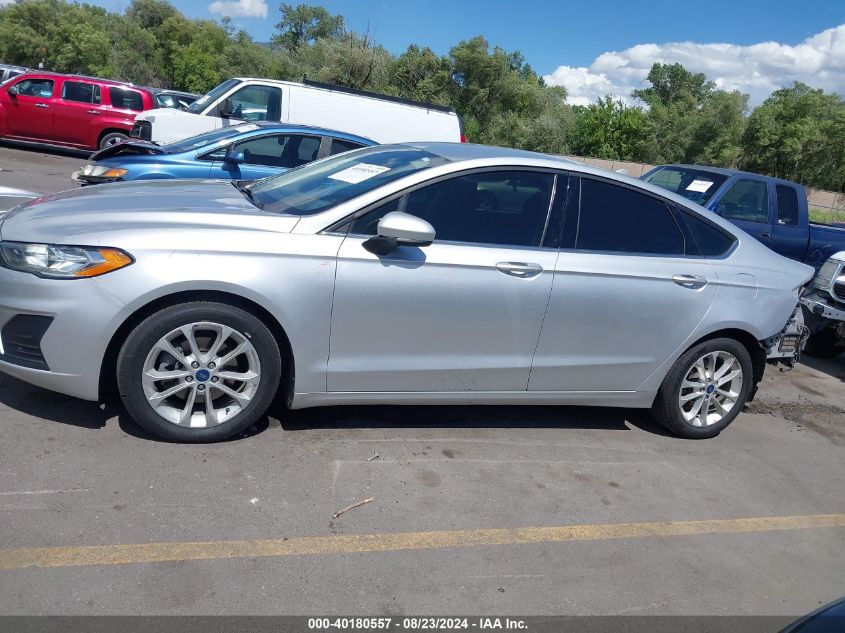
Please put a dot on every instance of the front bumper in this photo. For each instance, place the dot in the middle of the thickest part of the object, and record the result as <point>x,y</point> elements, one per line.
<point>822,306</point>
<point>84,317</point>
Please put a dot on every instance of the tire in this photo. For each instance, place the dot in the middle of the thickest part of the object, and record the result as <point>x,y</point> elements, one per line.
<point>673,413</point>
<point>824,344</point>
<point>238,368</point>
<point>113,138</point>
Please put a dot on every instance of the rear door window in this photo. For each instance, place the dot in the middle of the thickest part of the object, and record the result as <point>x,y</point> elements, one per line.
<point>620,220</point>
<point>126,99</point>
<point>280,150</point>
<point>787,205</point>
<point>746,200</point>
<point>80,92</point>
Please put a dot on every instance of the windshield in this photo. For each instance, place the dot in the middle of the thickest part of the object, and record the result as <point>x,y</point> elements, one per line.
<point>322,185</point>
<point>200,104</point>
<point>207,138</point>
<point>693,184</point>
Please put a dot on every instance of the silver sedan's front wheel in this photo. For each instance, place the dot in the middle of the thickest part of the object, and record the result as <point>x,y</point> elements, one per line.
<point>199,372</point>
<point>705,389</point>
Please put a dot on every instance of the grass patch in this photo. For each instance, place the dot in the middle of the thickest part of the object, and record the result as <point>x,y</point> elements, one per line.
<point>826,216</point>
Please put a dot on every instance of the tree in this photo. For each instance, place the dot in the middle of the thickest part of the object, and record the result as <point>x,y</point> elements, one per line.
<point>798,133</point>
<point>609,129</point>
<point>305,24</point>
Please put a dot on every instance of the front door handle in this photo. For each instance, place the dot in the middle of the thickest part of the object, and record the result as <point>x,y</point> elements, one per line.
<point>523,270</point>
<point>766,234</point>
<point>93,111</point>
<point>693,282</point>
<point>41,105</point>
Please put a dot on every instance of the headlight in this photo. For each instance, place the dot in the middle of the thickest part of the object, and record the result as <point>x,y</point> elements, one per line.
<point>62,262</point>
<point>103,171</point>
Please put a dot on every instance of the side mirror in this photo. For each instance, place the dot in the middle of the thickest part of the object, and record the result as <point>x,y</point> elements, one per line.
<point>233,156</point>
<point>13,91</point>
<point>225,109</point>
<point>400,229</point>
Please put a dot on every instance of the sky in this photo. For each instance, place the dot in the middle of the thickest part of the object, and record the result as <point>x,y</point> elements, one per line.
<point>597,48</point>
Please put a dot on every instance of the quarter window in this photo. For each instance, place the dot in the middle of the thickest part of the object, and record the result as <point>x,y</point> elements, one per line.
<point>618,219</point>
<point>41,88</point>
<point>257,103</point>
<point>787,205</point>
<point>339,146</point>
<point>501,207</point>
<point>126,99</point>
<point>710,240</point>
<point>80,92</point>
<point>280,150</point>
<point>746,200</point>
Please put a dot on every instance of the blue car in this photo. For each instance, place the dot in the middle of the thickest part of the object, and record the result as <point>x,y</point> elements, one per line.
<point>247,151</point>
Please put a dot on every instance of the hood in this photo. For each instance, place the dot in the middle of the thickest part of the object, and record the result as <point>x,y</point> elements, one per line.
<point>133,148</point>
<point>132,206</point>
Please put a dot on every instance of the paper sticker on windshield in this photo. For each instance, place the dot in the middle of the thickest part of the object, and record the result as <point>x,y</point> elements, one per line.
<point>249,127</point>
<point>359,173</point>
<point>699,185</point>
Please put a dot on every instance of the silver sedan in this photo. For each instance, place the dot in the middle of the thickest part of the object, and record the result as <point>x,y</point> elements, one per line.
<point>393,275</point>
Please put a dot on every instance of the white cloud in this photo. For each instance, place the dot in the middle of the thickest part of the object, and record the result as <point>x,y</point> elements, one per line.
<point>757,69</point>
<point>239,8</point>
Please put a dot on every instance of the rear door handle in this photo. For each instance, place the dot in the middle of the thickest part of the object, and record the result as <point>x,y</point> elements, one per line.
<point>766,234</point>
<point>523,270</point>
<point>93,111</point>
<point>693,282</point>
<point>41,105</point>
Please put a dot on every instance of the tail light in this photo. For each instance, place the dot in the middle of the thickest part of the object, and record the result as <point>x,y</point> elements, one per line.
<point>463,138</point>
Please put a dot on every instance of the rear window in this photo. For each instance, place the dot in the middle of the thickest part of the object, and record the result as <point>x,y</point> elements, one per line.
<point>693,184</point>
<point>126,99</point>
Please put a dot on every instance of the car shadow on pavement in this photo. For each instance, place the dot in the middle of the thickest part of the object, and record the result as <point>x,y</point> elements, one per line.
<point>56,407</point>
<point>834,367</point>
<point>47,149</point>
<point>469,416</point>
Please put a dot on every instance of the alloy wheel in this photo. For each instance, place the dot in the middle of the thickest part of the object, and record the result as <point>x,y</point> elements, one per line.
<point>710,389</point>
<point>201,374</point>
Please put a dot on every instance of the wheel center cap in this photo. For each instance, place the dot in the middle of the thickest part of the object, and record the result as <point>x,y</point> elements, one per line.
<point>710,388</point>
<point>202,375</point>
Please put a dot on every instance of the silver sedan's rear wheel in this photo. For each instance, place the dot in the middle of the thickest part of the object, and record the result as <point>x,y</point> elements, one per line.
<point>710,389</point>
<point>705,389</point>
<point>199,372</point>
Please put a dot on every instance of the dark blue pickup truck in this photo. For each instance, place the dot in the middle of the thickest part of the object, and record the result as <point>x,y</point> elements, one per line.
<point>772,210</point>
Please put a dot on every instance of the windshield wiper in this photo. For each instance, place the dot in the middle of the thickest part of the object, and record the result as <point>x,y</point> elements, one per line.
<point>244,189</point>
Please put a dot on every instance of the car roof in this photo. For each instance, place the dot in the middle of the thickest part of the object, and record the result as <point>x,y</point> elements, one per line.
<point>290,127</point>
<point>471,151</point>
<point>108,82</point>
<point>727,171</point>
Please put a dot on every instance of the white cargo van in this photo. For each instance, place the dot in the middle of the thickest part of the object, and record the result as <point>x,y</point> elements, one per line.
<point>383,118</point>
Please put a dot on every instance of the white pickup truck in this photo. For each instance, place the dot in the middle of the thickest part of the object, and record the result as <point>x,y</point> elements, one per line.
<point>384,119</point>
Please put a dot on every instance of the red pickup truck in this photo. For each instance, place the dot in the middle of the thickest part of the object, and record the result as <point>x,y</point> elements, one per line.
<point>70,110</point>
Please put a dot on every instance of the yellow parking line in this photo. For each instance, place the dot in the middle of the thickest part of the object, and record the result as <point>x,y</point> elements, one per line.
<point>356,543</point>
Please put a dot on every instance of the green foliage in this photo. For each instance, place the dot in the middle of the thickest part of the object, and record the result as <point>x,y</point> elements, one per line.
<point>798,133</point>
